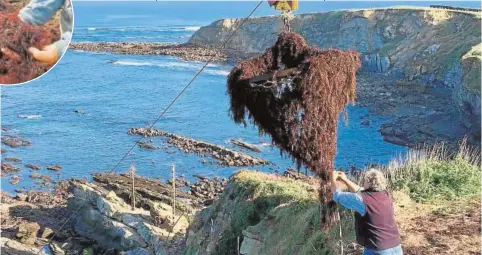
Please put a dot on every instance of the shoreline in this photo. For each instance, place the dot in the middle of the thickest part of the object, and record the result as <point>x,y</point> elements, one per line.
<point>184,51</point>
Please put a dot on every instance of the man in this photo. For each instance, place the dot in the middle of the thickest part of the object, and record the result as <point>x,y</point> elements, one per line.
<point>375,224</point>
<point>38,12</point>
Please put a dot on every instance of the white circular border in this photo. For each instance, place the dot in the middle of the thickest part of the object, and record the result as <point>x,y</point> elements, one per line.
<point>63,54</point>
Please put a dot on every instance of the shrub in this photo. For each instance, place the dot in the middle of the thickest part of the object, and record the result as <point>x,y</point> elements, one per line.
<point>433,174</point>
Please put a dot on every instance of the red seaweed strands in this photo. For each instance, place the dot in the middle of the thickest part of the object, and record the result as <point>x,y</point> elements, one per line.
<point>301,112</point>
<point>16,64</point>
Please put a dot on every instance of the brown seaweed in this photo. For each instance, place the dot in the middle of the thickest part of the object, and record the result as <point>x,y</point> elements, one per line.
<point>300,112</point>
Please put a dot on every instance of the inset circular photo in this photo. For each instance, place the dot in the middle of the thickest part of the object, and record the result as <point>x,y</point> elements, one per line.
<point>34,35</point>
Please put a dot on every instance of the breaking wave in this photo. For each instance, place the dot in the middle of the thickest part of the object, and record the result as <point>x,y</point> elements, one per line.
<point>29,116</point>
<point>195,66</point>
<point>147,29</point>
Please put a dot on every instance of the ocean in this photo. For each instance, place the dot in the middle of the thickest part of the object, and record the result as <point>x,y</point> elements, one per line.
<point>118,92</point>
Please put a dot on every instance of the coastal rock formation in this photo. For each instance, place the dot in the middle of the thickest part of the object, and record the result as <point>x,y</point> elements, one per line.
<point>188,52</point>
<point>97,217</point>
<point>207,189</point>
<point>403,40</point>
<point>15,141</point>
<point>33,167</point>
<point>27,232</point>
<point>12,159</point>
<point>147,191</point>
<point>54,168</point>
<point>431,47</point>
<point>225,156</point>
<point>8,169</point>
<point>113,224</point>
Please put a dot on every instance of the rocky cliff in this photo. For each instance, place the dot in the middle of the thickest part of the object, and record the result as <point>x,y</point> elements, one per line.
<point>438,47</point>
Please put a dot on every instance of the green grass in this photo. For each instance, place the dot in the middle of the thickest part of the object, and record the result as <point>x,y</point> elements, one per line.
<point>288,215</point>
<point>433,174</point>
<point>446,179</point>
<point>471,63</point>
<point>269,189</point>
<point>255,195</point>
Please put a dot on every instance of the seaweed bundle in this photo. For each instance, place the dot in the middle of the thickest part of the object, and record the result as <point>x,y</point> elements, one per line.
<point>16,63</point>
<point>300,112</point>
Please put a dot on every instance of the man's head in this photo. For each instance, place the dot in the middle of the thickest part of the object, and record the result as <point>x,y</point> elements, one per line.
<point>373,179</point>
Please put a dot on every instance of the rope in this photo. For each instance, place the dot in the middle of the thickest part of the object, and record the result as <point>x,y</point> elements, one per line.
<point>162,114</point>
<point>341,234</point>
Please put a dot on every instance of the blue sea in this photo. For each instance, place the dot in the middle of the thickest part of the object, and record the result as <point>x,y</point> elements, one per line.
<point>118,92</point>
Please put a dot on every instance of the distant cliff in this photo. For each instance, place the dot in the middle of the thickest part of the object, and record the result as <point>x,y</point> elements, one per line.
<point>424,45</point>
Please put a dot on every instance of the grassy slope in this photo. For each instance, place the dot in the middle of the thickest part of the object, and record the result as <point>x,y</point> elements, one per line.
<point>283,214</point>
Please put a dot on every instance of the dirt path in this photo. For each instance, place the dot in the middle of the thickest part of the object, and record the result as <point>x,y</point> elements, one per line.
<point>425,230</point>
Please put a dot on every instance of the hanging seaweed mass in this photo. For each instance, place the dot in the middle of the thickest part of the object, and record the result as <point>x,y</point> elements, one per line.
<point>16,64</point>
<point>299,112</point>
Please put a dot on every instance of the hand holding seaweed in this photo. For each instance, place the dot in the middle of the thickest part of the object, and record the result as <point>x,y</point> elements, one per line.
<point>16,62</point>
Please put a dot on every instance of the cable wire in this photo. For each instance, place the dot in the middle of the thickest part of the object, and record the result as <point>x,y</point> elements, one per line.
<point>186,87</point>
<point>163,112</point>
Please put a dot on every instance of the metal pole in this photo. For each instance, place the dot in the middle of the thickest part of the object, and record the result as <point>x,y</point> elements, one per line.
<point>173,170</point>
<point>133,195</point>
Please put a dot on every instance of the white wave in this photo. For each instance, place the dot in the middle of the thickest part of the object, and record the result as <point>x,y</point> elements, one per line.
<point>184,65</point>
<point>192,28</point>
<point>264,144</point>
<point>131,63</point>
<point>29,116</point>
<point>195,66</point>
<point>146,29</point>
<point>217,72</point>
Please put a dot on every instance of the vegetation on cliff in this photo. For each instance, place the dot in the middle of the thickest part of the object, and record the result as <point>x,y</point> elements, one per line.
<point>284,213</point>
<point>273,214</point>
<point>433,175</point>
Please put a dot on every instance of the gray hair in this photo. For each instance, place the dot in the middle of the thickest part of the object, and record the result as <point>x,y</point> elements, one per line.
<point>375,180</point>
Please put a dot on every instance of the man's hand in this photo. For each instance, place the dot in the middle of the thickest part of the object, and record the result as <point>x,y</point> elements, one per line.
<point>47,55</point>
<point>342,176</point>
<point>335,175</point>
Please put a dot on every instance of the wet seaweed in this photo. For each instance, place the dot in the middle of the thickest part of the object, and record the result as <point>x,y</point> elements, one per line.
<point>300,112</point>
<point>16,64</point>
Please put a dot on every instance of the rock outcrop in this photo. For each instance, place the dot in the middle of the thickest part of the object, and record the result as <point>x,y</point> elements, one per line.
<point>408,41</point>
<point>224,156</point>
<point>186,52</point>
<point>27,232</point>
<point>106,218</point>
<point>438,47</point>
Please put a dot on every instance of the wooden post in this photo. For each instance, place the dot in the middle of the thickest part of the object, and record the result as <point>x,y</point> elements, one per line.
<point>173,170</point>
<point>341,234</point>
<point>133,194</point>
<point>237,247</point>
